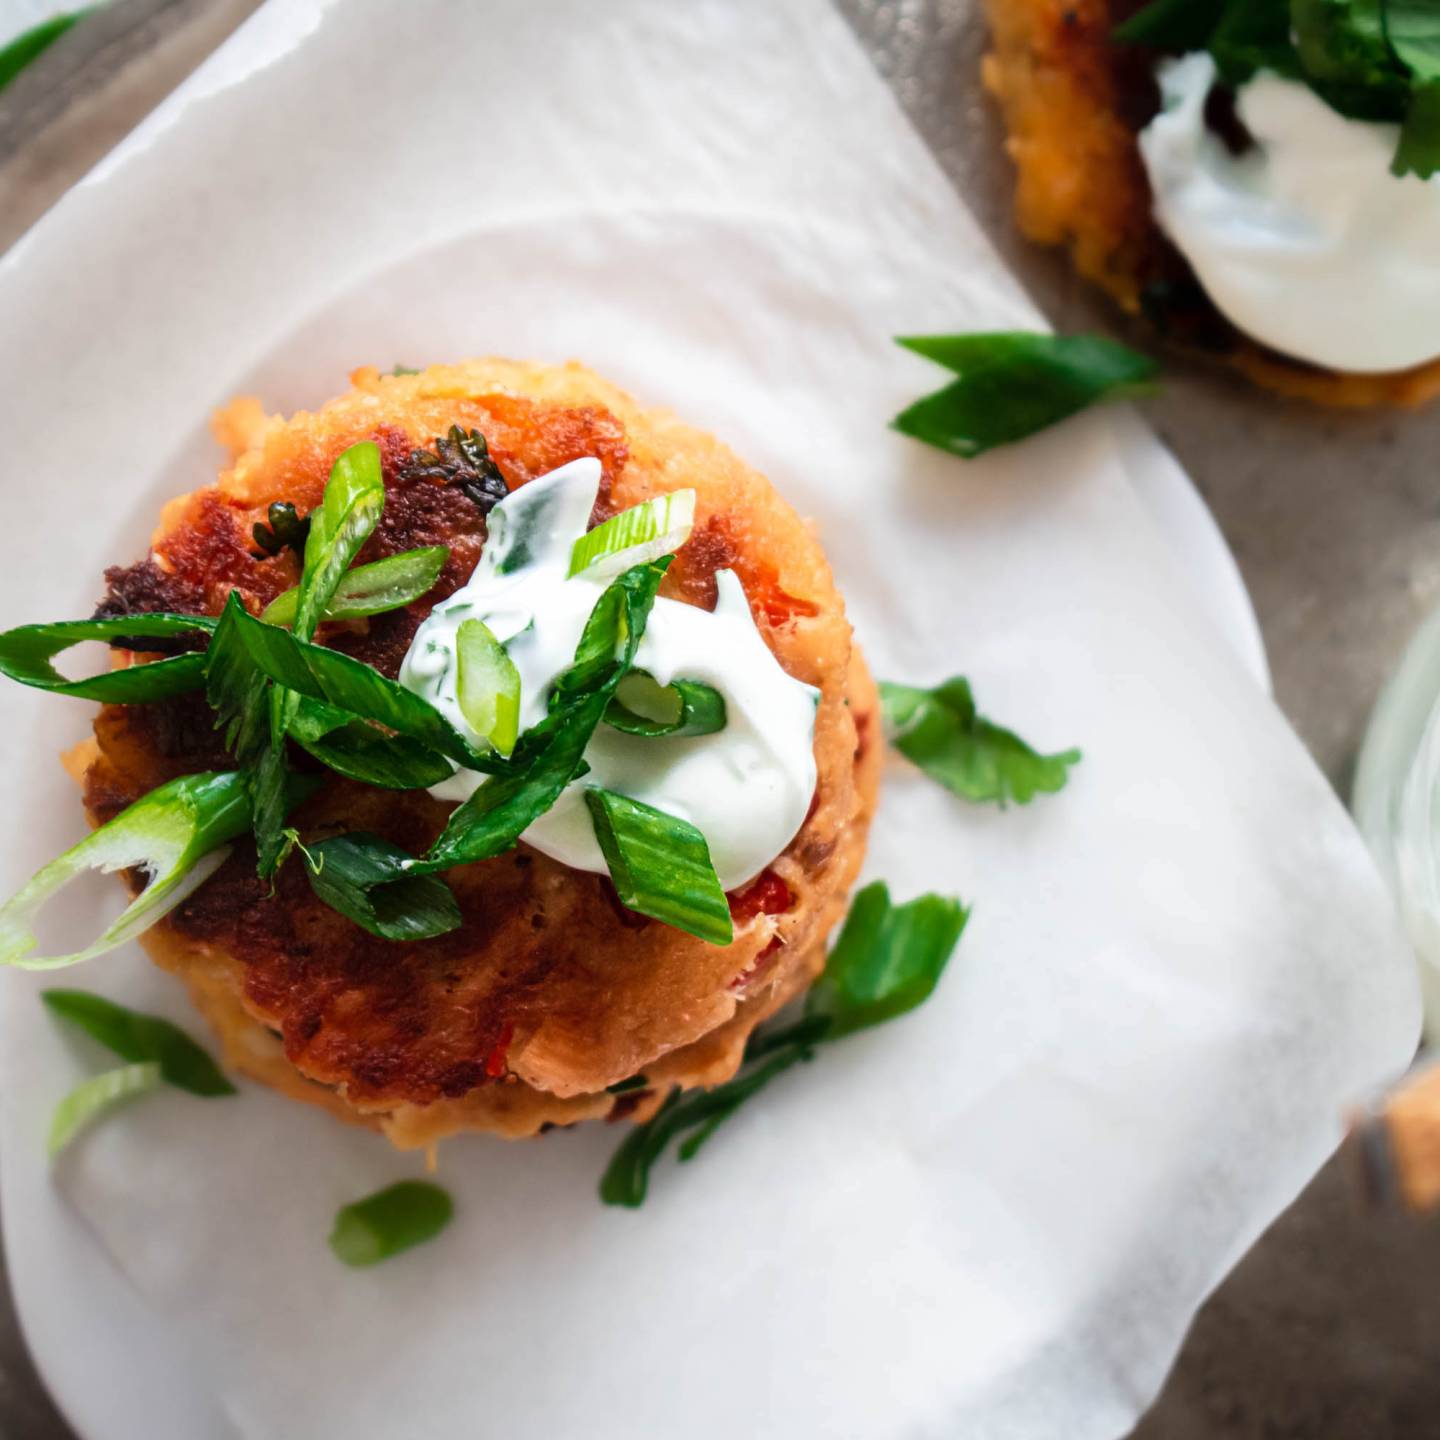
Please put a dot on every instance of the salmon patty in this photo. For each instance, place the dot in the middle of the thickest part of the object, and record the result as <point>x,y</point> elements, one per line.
<point>551,990</point>
<point>1074,104</point>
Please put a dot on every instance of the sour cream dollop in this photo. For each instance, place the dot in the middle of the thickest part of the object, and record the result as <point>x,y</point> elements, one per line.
<point>1306,242</point>
<point>746,788</point>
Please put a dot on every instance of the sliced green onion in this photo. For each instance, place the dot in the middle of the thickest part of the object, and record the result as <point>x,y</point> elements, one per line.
<point>348,513</point>
<point>702,1112</point>
<point>387,584</point>
<point>488,685</point>
<point>888,960</point>
<point>642,706</point>
<point>941,731</point>
<point>30,44</point>
<point>140,1039</point>
<point>1418,151</point>
<point>356,749</point>
<point>176,833</point>
<point>551,754</point>
<point>661,866</point>
<point>1013,383</point>
<point>251,715</point>
<point>92,1098</point>
<point>26,653</point>
<point>344,682</point>
<point>375,884</point>
<point>658,526</point>
<point>389,1221</point>
<point>353,503</point>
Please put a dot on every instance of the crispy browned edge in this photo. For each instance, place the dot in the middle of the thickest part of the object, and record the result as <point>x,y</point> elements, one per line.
<point>1080,183</point>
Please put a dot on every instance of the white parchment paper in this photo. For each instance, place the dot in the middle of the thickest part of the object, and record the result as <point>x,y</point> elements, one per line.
<point>993,1219</point>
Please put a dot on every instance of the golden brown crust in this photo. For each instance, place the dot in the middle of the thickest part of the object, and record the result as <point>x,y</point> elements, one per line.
<point>551,991</point>
<point>1062,89</point>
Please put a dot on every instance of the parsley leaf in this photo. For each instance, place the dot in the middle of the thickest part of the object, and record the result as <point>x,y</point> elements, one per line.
<point>941,731</point>
<point>888,960</point>
<point>1014,383</point>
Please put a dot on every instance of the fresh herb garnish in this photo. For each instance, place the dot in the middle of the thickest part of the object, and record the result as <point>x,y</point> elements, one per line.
<point>95,1097</point>
<point>1014,383</point>
<point>333,677</point>
<point>26,654</point>
<point>403,370</point>
<point>551,754</point>
<point>251,717</point>
<point>345,519</point>
<point>371,881</point>
<point>155,1049</point>
<point>888,960</point>
<point>655,527</point>
<point>625,1086</point>
<point>360,751</point>
<point>487,686</point>
<point>642,706</point>
<point>373,589</point>
<point>661,866</point>
<point>941,731</point>
<point>176,834</point>
<point>462,458</point>
<point>390,1221</point>
<point>546,759</point>
<point>141,1038</point>
<point>286,531</point>
<point>254,712</point>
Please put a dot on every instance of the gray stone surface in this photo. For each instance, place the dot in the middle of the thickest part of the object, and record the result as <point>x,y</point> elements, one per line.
<point>1330,1328</point>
